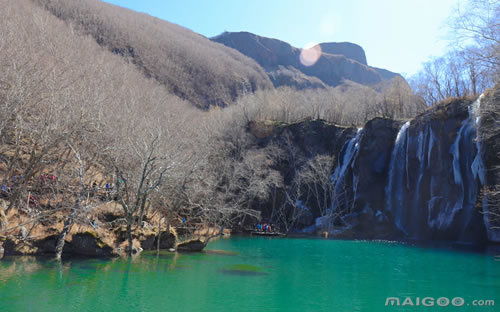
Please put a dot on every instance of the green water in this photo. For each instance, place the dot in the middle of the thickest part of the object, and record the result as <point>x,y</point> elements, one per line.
<point>258,274</point>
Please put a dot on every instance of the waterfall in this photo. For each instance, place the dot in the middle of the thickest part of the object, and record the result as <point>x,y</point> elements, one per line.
<point>395,186</point>
<point>434,175</point>
<point>433,185</point>
<point>341,193</point>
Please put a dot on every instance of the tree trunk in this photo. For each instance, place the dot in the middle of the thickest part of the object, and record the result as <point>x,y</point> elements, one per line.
<point>62,237</point>
<point>158,238</point>
<point>129,236</point>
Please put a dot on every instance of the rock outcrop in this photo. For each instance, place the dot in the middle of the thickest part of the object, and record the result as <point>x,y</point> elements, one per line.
<point>165,240</point>
<point>85,244</point>
<point>105,237</point>
<point>347,49</point>
<point>194,245</point>
<point>90,245</point>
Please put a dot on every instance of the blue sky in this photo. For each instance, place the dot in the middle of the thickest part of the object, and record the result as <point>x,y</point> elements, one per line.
<point>396,34</point>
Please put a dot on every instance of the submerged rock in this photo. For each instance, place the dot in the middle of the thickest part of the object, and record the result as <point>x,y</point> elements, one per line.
<point>244,270</point>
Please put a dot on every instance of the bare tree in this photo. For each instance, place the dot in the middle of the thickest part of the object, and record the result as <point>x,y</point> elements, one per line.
<point>473,64</point>
<point>85,146</point>
<point>137,178</point>
<point>476,23</point>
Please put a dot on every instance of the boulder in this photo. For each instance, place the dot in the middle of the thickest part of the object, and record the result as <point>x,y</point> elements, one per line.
<point>47,245</point>
<point>14,246</point>
<point>194,245</point>
<point>90,245</point>
<point>150,242</point>
<point>167,240</point>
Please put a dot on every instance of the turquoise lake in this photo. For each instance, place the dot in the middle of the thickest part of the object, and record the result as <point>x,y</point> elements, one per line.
<point>255,274</point>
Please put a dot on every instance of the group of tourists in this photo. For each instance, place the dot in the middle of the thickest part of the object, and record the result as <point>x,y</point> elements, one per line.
<point>263,227</point>
<point>104,192</point>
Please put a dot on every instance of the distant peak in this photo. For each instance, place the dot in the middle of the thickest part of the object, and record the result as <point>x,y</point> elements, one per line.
<point>347,49</point>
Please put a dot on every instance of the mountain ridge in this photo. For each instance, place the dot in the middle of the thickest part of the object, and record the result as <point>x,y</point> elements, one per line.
<point>338,60</point>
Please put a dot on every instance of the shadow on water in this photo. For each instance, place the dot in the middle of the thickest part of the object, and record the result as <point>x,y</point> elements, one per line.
<point>454,247</point>
<point>243,270</point>
<point>221,252</point>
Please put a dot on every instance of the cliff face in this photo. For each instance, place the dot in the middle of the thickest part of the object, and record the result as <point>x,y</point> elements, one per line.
<point>338,61</point>
<point>435,176</point>
<point>347,49</point>
<point>300,143</point>
<point>490,141</point>
<point>420,180</point>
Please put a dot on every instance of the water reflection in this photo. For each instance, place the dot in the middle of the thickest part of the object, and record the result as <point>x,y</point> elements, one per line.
<point>259,274</point>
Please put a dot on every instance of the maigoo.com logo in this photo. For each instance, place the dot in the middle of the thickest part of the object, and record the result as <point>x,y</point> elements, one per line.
<point>440,302</point>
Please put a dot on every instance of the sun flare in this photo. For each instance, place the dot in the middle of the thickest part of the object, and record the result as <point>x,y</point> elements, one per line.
<point>310,54</point>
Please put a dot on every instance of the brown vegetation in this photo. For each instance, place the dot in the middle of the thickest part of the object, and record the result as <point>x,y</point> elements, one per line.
<point>189,65</point>
<point>347,104</point>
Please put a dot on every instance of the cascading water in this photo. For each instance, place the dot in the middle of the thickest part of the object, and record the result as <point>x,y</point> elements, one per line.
<point>432,178</point>
<point>432,186</point>
<point>395,186</point>
<point>344,182</point>
<point>341,191</point>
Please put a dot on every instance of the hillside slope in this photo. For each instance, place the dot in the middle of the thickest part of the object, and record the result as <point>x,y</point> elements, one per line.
<point>188,64</point>
<point>338,61</point>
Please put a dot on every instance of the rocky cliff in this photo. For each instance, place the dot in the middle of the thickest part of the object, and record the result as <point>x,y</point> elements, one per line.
<point>419,180</point>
